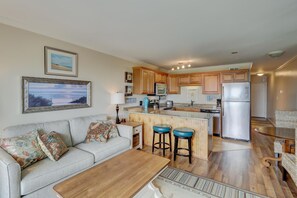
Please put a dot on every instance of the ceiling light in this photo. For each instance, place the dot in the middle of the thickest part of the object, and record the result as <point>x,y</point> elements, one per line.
<point>275,54</point>
<point>183,66</point>
<point>260,74</point>
<point>172,69</point>
<point>189,65</point>
<point>177,68</point>
<point>234,52</point>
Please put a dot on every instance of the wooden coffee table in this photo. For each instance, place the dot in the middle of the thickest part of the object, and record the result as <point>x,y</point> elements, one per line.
<point>121,176</point>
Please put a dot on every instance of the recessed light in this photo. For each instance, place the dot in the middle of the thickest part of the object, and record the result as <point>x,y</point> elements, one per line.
<point>189,65</point>
<point>234,52</point>
<point>275,54</point>
<point>260,74</point>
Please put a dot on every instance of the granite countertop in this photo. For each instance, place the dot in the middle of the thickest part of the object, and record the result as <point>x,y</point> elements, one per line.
<point>183,114</point>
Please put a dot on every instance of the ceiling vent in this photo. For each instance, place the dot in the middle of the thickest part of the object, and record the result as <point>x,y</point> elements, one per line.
<point>233,68</point>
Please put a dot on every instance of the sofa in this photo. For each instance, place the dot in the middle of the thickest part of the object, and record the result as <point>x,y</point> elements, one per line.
<point>38,179</point>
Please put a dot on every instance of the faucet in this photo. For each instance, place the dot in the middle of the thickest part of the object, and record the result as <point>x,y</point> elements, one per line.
<point>192,103</point>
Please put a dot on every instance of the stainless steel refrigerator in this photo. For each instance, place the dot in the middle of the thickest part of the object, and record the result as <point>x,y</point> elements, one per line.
<point>236,111</point>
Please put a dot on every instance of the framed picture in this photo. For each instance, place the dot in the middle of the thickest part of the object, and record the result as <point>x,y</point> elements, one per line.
<point>45,94</point>
<point>128,77</point>
<point>60,62</point>
<point>128,91</point>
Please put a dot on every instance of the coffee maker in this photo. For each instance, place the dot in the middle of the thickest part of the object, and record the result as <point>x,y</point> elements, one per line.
<point>219,102</point>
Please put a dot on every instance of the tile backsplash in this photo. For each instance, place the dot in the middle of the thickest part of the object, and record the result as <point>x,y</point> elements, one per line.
<point>193,93</point>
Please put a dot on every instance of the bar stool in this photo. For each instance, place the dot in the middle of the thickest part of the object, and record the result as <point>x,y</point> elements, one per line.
<point>183,133</point>
<point>161,129</point>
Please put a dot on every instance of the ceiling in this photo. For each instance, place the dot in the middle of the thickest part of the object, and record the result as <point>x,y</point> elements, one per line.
<point>166,32</point>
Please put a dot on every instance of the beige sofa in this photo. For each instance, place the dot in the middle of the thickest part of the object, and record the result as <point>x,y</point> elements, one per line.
<point>38,179</point>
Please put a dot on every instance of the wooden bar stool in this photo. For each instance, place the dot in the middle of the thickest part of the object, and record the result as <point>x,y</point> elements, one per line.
<point>183,133</point>
<point>161,129</point>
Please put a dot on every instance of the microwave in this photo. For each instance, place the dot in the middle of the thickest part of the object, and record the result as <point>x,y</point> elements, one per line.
<point>160,89</point>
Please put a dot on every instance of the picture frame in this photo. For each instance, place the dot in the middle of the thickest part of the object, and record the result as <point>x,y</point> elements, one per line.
<point>60,62</point>
<point>128,77</point>
<point>128,90</point>
<point>47,94</point>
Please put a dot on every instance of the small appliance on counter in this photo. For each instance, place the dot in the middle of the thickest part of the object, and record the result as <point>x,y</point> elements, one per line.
<point>219,103</point>
<point>169,105</point>
<point>154,102</point>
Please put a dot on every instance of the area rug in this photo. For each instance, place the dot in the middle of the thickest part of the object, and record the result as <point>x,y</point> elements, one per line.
<point>174,183</point>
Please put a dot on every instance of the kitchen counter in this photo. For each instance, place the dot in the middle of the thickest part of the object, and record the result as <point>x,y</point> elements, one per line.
<point>200,122</point>
<point>183,114</point>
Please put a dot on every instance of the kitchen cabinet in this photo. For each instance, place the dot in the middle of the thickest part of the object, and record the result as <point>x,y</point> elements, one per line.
<point>173,84</point>
<point>196,79</point>
<point>211,83</point>
<point>160,78</point>
<point>143,81</point>
<point>184,79</point>
<point>235,76</point>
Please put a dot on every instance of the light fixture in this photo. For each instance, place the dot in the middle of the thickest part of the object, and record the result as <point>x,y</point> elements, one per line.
<point>117,98</point>
<point>260,74</point>
<point>234,52</point>
<point>276,53</point>
<point>181,65</point>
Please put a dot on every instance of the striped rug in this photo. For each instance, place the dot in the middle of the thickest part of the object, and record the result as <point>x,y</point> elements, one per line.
<point>203,186</point>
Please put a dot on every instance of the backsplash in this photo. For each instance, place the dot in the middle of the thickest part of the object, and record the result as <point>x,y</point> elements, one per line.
<point>193,93</point>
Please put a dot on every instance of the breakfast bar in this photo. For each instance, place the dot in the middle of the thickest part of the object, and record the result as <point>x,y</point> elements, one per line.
<point>200,122</point>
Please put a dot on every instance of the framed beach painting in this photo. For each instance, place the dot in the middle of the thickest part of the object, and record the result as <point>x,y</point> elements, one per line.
<point>60,62</point>
<point>45,94</point>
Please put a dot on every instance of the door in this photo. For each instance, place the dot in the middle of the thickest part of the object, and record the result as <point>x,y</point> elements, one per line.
<point>259,99</point>
<point>236,92</point>
<point>236,120</point>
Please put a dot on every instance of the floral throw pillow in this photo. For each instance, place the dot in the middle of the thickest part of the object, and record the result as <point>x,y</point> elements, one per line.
<point>114,132</point>
<point>24,149</point>
<point>52,145</point>
<point>98,132</point>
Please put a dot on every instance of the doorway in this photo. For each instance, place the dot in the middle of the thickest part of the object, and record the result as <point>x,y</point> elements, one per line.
<point>259,96</point>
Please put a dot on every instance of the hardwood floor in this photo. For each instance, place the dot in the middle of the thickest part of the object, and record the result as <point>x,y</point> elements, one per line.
<point>241,166</point>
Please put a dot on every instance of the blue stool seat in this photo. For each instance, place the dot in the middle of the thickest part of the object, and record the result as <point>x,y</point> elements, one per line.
<point>162,128</point>
<point>183,132</point>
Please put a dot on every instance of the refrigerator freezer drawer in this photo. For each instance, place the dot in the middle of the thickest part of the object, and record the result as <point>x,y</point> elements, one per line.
<point>236,120</point>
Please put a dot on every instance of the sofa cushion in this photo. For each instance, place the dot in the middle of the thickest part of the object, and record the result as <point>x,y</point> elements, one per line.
<point>46,171</point>
<point>52,145</point>
<point>24,148</point>
<point>62,127</point>
<point>105,150</point>
<point>98,132</point>
<point>79,127</point>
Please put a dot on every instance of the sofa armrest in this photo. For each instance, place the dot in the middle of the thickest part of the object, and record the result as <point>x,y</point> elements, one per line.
<point>127,132</point>
<point>10,179</point>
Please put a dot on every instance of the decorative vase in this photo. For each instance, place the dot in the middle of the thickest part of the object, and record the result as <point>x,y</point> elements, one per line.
<point>146,104</point>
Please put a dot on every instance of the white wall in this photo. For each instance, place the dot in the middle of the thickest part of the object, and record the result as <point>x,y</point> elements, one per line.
<point>193,93</point>
<point>22,55</point>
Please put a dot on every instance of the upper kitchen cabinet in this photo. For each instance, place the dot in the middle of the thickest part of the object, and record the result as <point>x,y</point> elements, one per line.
<point>173,84</point>
<point>235,76</point>
<point>184,79</point>
<point>196,79</point>
<point>143,81</point>
<point>211,83</point>
<point>160,77</point>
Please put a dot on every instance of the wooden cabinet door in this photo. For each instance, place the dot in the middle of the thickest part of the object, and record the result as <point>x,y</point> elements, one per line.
<point>172,85</point>
<point>151,82</point>
<point>196,79</point>
<point>160,78</point>
<point>184,79</point>
<point>145,82</point>
<point>227,77</point>
<point>211,83</point>
<point>241,76</point>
